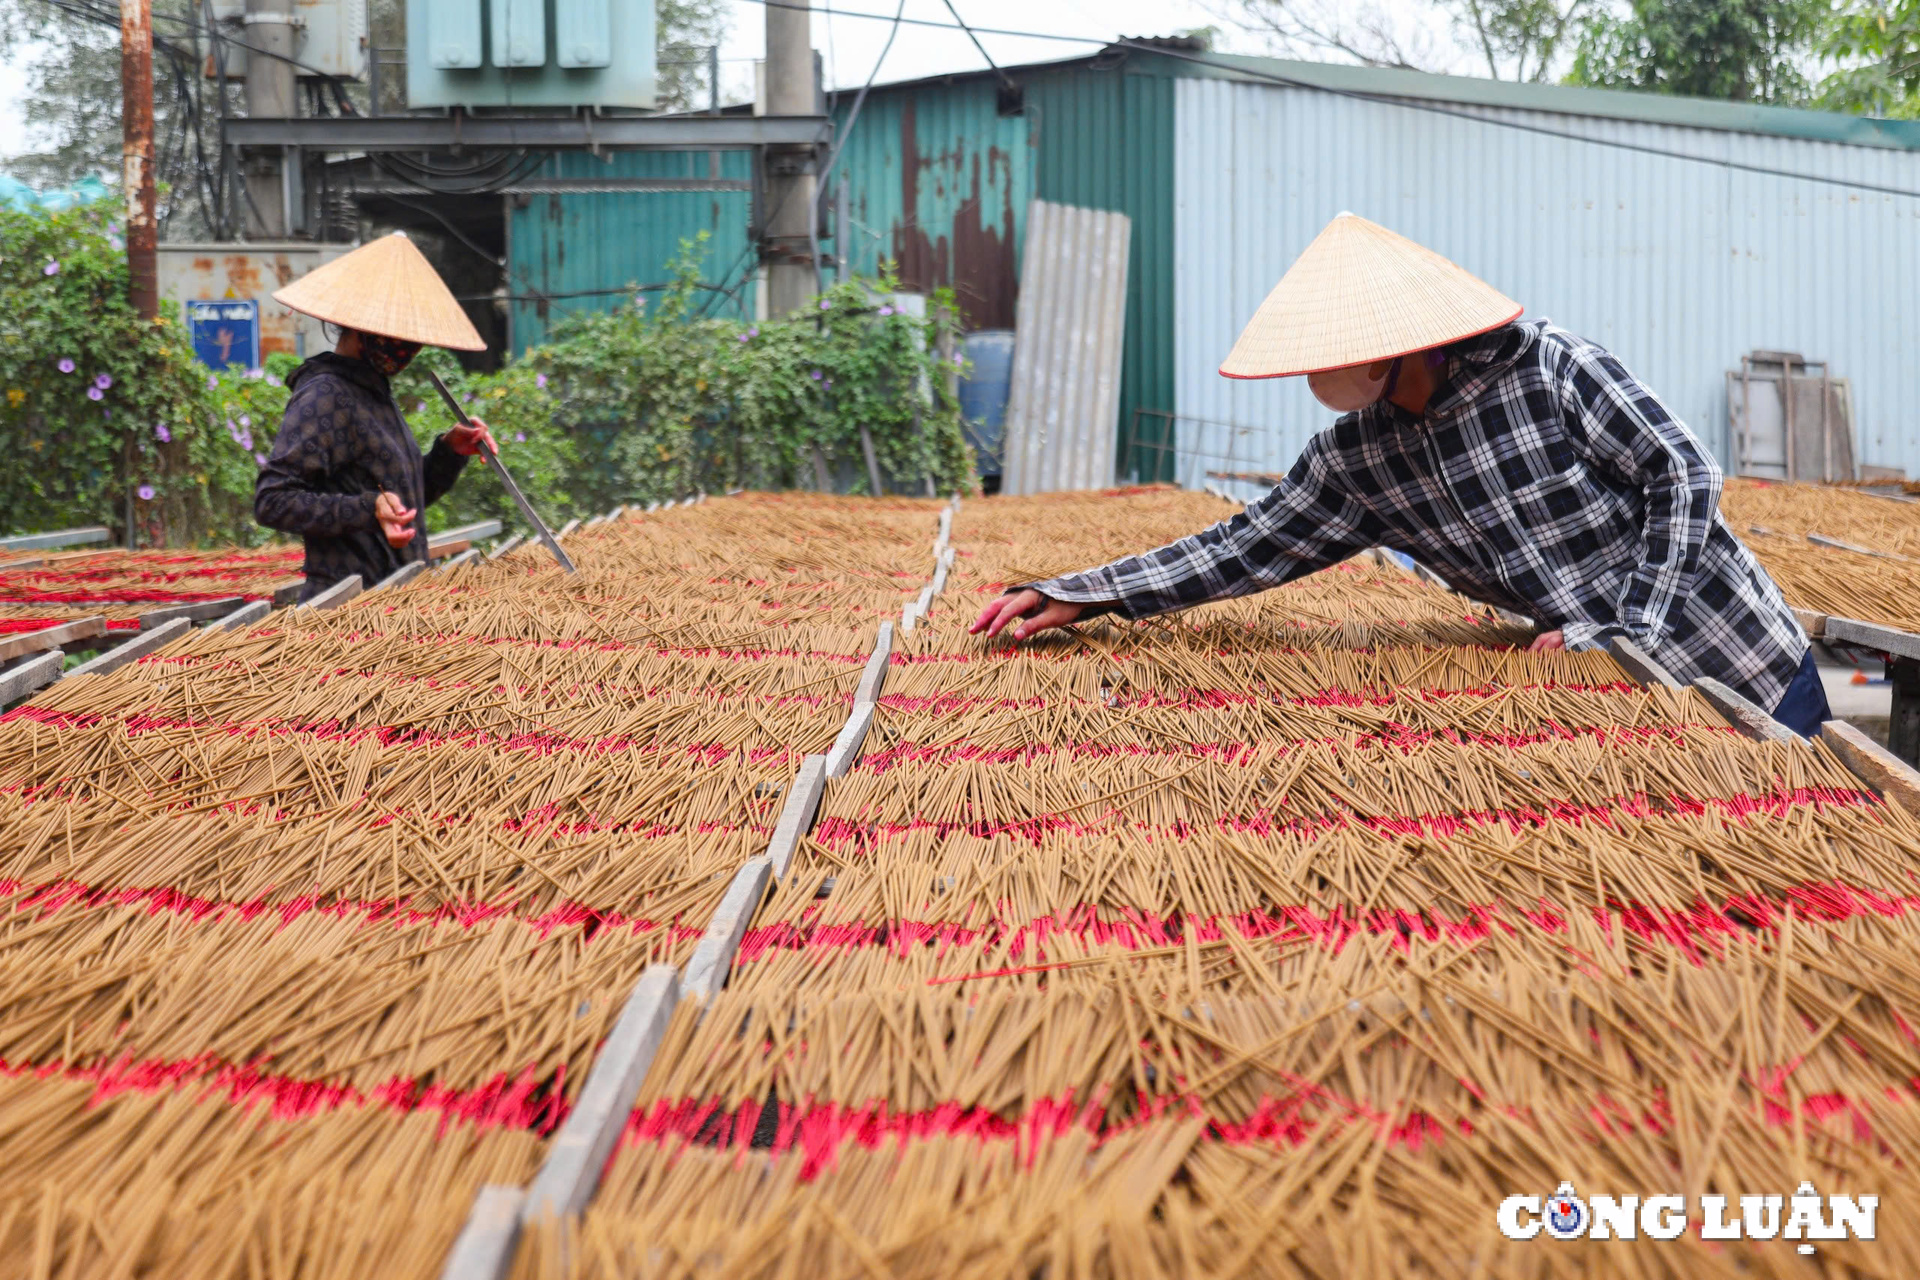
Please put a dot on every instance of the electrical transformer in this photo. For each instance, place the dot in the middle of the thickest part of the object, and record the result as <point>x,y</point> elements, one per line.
<point>512,54</point>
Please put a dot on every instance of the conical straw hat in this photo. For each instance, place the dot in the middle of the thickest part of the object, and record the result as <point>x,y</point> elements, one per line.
<point>386,286</point>
<point>1361,293</point>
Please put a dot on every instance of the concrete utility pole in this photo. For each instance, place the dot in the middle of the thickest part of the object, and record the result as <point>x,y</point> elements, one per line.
<point>136,153</point>
<point>791,91</point>
<point>270,96</point>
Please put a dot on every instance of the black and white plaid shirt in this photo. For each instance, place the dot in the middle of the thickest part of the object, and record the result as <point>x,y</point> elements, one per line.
<point>1543,478</point>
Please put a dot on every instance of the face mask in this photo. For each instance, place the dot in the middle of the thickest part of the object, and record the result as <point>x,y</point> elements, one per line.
<point>1352,388</point>
<point>388,355</point>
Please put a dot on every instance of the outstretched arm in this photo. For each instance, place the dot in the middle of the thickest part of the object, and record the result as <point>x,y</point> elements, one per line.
<point>1307,522</point>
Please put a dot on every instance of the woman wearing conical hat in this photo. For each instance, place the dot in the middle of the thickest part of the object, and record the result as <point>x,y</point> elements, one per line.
<point>345,473</point>
<point>1523,463</point>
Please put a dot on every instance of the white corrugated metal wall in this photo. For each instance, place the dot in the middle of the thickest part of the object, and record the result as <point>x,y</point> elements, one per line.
<point>1678,266</point>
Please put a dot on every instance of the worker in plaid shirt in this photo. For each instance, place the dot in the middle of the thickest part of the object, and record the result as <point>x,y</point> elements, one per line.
<point>1524,463</point>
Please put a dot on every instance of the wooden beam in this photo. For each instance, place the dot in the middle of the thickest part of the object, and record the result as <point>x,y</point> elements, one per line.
<point>1814,624</point>
<point>245,617</point>
<point>194,611</point>
<point>470,556</point>
<point>1639,664</point>
<point>402,576</point>
<point>579,1152</point>
<point>466,533</point>
<point>447,550</point>
<point>506,546</point>
<point>337,594</point>
<point>45,638</point>
<point>29,675</point>
<point>570,526</point>
<point>874,677</point>
<point>58,538</point>
<point>286,593</point>
<point>1871,635</point>
<point>133,650</point>
<point>1822,540</point>
<point>796,815</point>
<point>713,956</point>
<point>846,747</point>
<point>1873,764</point>
<point>30,562</point>
<point>1743,715</point>
<point>485,1247</point>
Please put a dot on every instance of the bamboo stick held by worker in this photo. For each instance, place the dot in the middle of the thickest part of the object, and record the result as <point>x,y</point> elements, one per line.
<point>1524,463</point>
<point>345,473</point>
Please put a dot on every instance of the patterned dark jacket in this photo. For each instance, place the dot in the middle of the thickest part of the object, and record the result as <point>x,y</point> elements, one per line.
<point>1544,478</point>
<point>341,442</point>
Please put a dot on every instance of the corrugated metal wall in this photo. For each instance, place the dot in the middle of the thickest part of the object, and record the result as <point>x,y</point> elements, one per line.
<point>565,252</point>
<point>1679,267</point>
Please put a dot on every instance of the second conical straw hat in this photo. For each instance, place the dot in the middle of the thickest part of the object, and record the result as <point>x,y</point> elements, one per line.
<point>1361,293</point>
<point>386,286</point>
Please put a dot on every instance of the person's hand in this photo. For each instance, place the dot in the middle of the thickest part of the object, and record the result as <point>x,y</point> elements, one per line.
<point>396,518</point>
<point>1036,611</point>
<point>465,441</point>
<point>1547,642</point>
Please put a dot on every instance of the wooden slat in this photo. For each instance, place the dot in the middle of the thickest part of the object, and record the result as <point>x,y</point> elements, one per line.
<point>1814,624</point>
<point>1822,540</point>
<point>401,577</point>
<point>133,650</point>
<point>46,638</point>
<point>713,956</point>
<point>1742,714</point>
<point>465,533</point>
<point>796,815</point>
<point>1871,635</point>
<point>1639,664</point>
<point>579,1152</point>
<point>245,617</point>
<point>470,556</point>
<point>337,594</point>
<point>195,611</point>
<point>286,593</point>
<point>485,1247</point>
<point>570,526</point>
<point>874,677</point>
<point>846,747</point>
<point>1878,767</point>
<point>57,538</point>
<point>30,675</point>
<point>447,550</point>
<point>506,546</point>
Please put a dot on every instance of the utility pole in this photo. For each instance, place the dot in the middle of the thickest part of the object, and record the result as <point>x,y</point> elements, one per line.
<point>136,153</point>
<point>791,91</point>
<point>270,96</point>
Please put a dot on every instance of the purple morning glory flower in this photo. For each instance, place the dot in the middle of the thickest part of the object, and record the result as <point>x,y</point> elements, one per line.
<point>160,429</point>
<point>886,311</point>
<point>743,337</point>
<point>65,365</point>
<point>753,332</point>
<point>540,380</point>
<point>116,243</point>
<point>419,406</point>
<point>260,458</point>
<point>51,269</point>
<point>213,383</point>
<point>256,373</point>
<point>519,437</point>
<point>146,492</point>
<point>95,393</point>
<point>825,305</point>
<point>232,430</point>
<point>816,375</point>
<point>959,359</point>
<point>246,439</point>
<point>245,421</point>
<point>272,381</point>
<point>104,381</point>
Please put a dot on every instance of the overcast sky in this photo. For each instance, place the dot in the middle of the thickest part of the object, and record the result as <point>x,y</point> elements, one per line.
<point>850,45</point>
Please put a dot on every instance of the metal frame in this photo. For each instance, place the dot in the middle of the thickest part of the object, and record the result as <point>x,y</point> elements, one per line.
<point>547,133</point>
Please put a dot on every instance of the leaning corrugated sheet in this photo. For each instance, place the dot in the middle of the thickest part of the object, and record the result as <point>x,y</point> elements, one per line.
<point>1677,265</point>
<point>1063,406</point>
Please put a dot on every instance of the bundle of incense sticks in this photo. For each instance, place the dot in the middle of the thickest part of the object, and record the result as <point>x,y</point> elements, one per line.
<point>94,581</point>
<point>1874,573</point>
<point>331,914</point>
<point>1277,940</point>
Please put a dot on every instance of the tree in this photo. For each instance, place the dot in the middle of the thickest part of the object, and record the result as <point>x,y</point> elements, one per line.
<point>687,29</point>
<point>1877,45</point>
<point>1512,39</point>
<point>1737,50</point>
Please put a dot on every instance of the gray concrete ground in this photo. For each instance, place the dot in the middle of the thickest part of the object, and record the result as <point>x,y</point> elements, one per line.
<point>1865,706</point>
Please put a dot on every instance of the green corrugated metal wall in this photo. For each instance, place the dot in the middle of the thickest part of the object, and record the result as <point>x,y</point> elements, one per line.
<point>938,182</point>
<point>1104,139</point>
<point>564,249</point>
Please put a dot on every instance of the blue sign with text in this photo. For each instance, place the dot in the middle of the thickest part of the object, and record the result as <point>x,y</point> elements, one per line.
<point>226,331</point>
